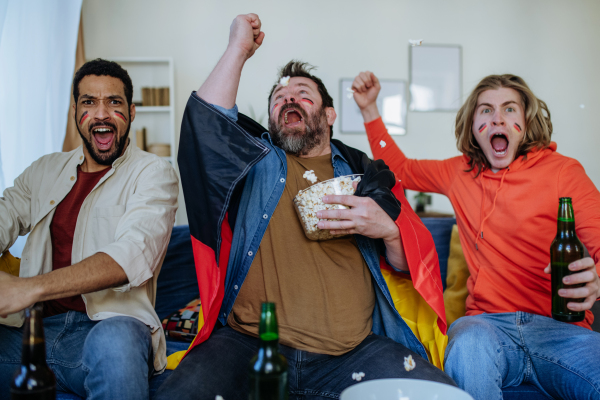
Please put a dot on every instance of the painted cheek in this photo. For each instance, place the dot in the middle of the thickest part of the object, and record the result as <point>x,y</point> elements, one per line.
<point>274,107</point>
<point>517,128</point>
<point>307,101</point>
<point>121,116</point>
<point>83,118</point>
<point>483,128</point>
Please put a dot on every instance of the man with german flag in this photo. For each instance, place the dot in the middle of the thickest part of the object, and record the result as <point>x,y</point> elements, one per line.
<point>369,300</point>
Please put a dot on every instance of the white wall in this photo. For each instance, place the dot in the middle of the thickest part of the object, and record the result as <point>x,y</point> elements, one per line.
<point>552,44</point>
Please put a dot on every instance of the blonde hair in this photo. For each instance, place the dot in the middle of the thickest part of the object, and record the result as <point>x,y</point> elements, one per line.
<point>538,127</point>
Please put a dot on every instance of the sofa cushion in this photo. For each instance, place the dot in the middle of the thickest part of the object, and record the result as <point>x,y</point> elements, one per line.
<point>177,283</point>
<point>455,295</point>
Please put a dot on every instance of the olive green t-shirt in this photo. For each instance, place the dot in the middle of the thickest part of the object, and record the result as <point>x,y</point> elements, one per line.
<point>323,291</point>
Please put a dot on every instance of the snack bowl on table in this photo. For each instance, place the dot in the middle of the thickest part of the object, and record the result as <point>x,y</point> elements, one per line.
<point>310,200</point>
<point>403,389</point>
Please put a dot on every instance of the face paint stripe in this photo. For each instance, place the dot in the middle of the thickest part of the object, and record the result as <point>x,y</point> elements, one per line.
<point>121,115</point>
<point>482,127</point>
<point>308,101</point>
<point>518,127</point>
<point>83,117</point>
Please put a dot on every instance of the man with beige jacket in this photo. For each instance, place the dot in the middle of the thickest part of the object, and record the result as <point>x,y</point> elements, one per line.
<point>99,220</point>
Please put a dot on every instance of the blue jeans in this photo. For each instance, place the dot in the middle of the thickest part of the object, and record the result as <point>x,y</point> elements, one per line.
<point>220,366</point>
<point>489,352</point>
<point>109,359</point>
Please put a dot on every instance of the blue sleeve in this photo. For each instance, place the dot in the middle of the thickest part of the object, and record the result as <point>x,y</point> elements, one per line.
<point>231,113</point>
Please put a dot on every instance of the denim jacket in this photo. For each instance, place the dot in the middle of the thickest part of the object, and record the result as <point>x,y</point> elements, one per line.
<point>261,193</point>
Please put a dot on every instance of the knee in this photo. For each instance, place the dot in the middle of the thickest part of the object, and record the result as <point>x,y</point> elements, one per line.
<point>118,337</point>
<point>470,337</point>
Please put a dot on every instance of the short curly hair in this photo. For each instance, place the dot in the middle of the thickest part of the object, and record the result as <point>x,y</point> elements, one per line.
<point>100,67</point>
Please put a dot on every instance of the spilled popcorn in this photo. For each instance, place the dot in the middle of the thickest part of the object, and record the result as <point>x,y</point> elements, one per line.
<point>310,176</point>
<point>415,42</point>
<point>350,93</point>
<point>409,363</point>
<point>310,200</point>
<point>382,144</point>
<point>357,376</point>
<point>284,81</point>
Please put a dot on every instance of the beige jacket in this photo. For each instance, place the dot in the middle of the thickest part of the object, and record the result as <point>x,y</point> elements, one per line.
<point>129,215</point>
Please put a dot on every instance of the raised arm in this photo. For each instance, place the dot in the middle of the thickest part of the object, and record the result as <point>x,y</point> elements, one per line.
<point>221,86</point>
<point>421,175</point>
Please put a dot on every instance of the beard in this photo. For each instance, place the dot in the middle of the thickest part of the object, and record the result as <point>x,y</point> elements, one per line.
<point>109,156</point>
<point>299,141</point>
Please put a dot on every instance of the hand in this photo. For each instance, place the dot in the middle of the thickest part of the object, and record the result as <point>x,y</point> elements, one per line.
<point>587,275</point>
<point>366,89</point>
<point>364,217</point>
<point>14,294</point>
<point>245,34</point>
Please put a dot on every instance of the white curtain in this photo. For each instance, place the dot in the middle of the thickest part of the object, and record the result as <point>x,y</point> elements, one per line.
<point>37,56</point>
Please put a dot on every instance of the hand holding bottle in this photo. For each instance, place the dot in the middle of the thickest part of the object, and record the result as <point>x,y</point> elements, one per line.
<point>585,272</point>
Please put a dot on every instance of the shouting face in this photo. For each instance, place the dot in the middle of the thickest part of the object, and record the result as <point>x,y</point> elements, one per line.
<point>499,126</point>
<point>298,122</point>
<point>103,118</point>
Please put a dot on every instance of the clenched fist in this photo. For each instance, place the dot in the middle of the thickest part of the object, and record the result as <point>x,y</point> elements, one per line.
<point>245,34</point>
<point>366,88</point>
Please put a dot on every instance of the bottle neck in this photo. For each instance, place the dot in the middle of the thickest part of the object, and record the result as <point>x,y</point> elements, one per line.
<point>566,219</point>
<point>34,347</point>
<point>268,330</point>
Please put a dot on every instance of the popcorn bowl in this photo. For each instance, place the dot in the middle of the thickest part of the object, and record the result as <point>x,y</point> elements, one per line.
<point>310,200</point>
<point>403,389</point>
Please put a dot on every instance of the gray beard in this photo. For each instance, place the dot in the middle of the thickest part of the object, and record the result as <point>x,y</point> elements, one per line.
<point>299,141</point>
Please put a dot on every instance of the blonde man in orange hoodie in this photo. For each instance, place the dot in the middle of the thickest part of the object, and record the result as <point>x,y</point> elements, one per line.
<point>505,190</point>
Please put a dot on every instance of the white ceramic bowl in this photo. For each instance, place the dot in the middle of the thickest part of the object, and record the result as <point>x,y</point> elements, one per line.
<point>403,389</point>
<point>308,201</point>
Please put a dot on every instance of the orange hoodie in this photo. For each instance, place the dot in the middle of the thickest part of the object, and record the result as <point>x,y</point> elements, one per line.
<point>506,220</point>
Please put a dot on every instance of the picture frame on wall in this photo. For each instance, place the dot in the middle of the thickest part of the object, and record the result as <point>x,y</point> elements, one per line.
<point>392,103</point>
<point>435,77</point>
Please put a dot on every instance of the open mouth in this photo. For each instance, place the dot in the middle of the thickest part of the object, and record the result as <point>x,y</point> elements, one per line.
<point>499,143</point>
<point>292,117</point>
<point>104,137</point>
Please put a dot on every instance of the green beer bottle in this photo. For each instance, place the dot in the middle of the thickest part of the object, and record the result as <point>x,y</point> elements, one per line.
<point>565,249</point>
<point>33,379</point>
<point>268,369</point>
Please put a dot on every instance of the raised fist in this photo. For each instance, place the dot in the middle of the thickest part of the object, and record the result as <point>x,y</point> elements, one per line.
<point>245,34</point>
<point>366,88</point>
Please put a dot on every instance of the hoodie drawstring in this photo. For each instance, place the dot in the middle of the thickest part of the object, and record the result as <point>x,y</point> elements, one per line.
<point>493,206</point>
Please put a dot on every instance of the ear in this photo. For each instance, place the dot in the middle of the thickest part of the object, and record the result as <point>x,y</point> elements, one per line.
<point>131,112</point>
<point>74,111</point>
<point>331,115</point>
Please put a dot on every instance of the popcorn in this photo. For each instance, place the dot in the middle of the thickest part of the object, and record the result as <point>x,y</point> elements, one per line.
<point>219,397</point>
<point>310,176</point>
<point>310,200</point>
<point>284,81</point>
<point>357,376</point>
<point>350,93</point>
<point>409,363</point>
<point>382,144</point>
<point>415,42</point>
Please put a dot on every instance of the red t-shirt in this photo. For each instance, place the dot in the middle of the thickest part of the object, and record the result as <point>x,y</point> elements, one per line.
<point>62,229</point>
